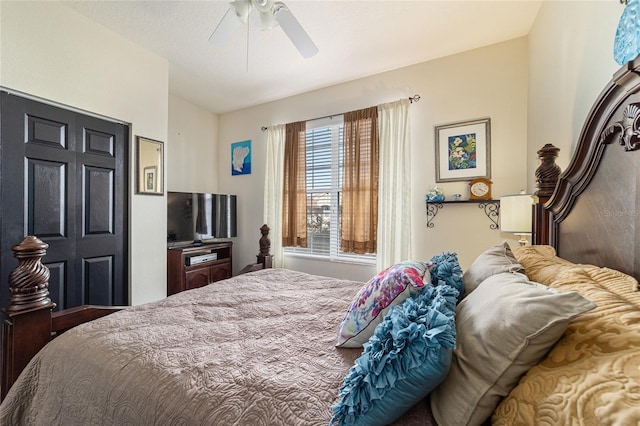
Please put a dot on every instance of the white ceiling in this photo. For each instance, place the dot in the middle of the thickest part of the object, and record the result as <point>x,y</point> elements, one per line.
<point>355,38</point>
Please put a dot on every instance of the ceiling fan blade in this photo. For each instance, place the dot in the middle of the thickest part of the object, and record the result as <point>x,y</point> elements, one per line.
<point>237,14</point>
<point>225,30</point>
<point>294,30</point>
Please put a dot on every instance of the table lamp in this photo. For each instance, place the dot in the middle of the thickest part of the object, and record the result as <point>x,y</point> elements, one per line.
<point>515,215</point>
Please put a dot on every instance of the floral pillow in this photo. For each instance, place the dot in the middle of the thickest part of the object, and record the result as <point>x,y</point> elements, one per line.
<point>389,287</point>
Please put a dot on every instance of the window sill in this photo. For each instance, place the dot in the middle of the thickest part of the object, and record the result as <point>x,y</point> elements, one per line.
<point>347,260</point>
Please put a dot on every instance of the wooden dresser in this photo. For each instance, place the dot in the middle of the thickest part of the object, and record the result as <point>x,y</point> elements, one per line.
<point>197,265</point>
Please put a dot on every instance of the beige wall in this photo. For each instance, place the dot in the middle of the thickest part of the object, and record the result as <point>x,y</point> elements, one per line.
<point>192,154</point>
<point>570,62</point>
<point>51,52</point>
<point>487,82</point>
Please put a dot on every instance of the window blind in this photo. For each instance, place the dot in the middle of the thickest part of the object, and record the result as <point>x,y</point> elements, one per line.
<point>324,140</point>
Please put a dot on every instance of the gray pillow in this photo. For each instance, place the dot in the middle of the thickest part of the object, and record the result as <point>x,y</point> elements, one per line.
<point>494,260</point>
<point>506,326</point>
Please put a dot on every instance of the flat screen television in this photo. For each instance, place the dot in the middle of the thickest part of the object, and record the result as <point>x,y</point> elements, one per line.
<point>195,217</point>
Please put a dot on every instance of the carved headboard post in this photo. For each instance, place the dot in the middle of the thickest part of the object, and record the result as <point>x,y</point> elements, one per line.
<point>547,175</point>
<point>27,325</point>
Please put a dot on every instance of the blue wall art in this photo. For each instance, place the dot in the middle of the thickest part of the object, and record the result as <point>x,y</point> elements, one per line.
<point>241,158</point>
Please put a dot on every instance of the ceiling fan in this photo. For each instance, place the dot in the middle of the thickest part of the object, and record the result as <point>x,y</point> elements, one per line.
<point>272,13</point>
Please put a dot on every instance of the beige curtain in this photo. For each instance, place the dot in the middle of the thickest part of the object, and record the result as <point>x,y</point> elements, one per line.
<point>294,197</point>
<point>359,218</point>
<point>273,190</point>
<point>394,226</point>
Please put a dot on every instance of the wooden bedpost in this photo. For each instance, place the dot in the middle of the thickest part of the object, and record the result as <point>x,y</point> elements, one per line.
<point>264,259</point>
<point>264,256</point>
<point>27,324</point>
<point>547,175</point>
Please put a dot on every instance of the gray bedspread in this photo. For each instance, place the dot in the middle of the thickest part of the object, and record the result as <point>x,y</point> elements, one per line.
<point>257,349</point>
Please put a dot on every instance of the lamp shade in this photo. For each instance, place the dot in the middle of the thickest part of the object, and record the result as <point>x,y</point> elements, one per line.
<point>515,213</point>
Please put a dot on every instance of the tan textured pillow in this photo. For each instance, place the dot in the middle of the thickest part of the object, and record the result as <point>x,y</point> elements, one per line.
<point>611,280</point>
<point>503,328</point>
<point>494,260</point>
<point>540,262</point>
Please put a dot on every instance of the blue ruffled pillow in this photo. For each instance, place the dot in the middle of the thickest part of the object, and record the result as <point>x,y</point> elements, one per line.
<point>408,355</point>
<point>446,270</point>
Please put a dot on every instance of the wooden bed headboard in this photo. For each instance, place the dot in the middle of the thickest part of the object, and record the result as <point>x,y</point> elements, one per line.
<point>593,214</point>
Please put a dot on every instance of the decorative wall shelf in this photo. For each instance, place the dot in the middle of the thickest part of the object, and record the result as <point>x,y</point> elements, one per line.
<point>491,209</point>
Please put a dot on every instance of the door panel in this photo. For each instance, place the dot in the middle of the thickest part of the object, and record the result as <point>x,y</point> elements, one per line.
<point>98,280</point>
<point>65,176</point>
<point>46,132</point>
<point>98,200</point>
<point>102,210</point>
<point>46,192</point>
<point>96,142</point>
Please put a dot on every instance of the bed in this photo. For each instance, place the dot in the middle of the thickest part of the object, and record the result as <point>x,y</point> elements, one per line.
<point>260,348</point>
<point>256,349</point>
<point>256,343</point>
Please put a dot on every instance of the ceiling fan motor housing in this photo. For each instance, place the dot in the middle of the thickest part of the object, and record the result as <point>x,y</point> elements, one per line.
<point>272,14</point>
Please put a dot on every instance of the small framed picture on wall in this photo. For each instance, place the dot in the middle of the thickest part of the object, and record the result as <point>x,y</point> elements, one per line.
<point>241,158</point>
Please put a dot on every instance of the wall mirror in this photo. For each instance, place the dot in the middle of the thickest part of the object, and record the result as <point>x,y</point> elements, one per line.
<point>150,166</point>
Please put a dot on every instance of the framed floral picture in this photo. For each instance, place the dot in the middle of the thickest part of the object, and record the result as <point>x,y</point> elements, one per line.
<point>463,150</point>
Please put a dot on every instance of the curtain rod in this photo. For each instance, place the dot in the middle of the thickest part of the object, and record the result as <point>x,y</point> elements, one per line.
<point>412,99</point>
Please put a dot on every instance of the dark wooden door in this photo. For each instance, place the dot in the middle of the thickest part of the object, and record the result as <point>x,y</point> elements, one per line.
<point>63,178</point>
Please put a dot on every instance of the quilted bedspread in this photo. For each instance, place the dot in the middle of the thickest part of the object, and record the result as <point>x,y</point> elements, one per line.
<point>257,349</point>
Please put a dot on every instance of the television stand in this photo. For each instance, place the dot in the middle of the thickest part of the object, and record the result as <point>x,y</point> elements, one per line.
<point>197,265</point>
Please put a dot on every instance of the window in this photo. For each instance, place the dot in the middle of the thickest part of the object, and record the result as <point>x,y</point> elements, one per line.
<point>324,162</point>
